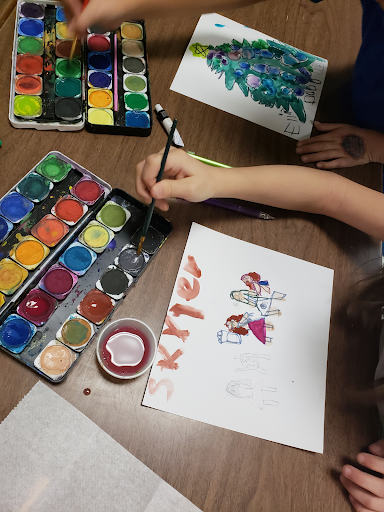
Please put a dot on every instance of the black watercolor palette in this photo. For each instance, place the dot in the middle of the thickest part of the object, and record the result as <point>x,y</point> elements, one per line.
<point>105,87</point>
<point>60,303</point>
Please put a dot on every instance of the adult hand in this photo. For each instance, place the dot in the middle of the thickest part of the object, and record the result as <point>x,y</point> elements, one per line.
<point>184,177</point>
<point>366,492</point>
<point>341,145</point>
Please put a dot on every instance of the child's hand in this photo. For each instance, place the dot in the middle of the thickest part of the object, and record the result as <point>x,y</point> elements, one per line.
<point>341,145</point>
<point>184,177</point>
<point>366,492</point>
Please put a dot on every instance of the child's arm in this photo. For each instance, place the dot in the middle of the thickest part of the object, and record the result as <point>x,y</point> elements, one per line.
<point>366,492</point>
<point>342,145</point>
<point>110,14</point>
<point>284,186</point>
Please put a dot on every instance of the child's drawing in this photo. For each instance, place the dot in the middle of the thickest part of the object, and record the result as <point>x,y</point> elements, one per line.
<point>229,337</point>
<point>174,330</point>
<point>263,304</point>
<point>251,362</point>
<point>192,268</point>
<point>183,309</point>
<point>253,281</point>
<point>252,75</point>
<point>169,361</point>
<point>153,388</point>
<point>241,324</point>
<point>185,290</point>
<point>245,389</point>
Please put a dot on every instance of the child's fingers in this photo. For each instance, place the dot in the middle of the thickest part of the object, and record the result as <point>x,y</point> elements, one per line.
<point>372,462</point>
<point>324,137</point>
<point>141,188</point>
<point>357,505</point>
<point>377,448</point>
<point>368,483</point>
<point>316,147</point>
<point>323,155</point>
<point>180,188</point>
<point>327,127</point>
<point>338,163</point>
<point>366,498</point>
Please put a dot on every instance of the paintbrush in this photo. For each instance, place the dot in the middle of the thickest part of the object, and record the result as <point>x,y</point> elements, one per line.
<point>74,42</point>
<point>148,217</point>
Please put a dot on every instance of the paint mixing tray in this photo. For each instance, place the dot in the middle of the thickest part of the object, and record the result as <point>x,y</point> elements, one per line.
<point>85,270</point>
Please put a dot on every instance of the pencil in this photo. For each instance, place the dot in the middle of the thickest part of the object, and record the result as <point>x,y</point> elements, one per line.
<point>148,217</point>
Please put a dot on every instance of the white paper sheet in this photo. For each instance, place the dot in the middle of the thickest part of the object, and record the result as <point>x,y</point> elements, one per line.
<point>55,459</point>
<point>291,100</point>
<point>207,371</point>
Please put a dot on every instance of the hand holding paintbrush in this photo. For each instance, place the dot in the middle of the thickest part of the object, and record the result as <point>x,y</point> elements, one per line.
<point>151,207</point>
<point>74,42</point>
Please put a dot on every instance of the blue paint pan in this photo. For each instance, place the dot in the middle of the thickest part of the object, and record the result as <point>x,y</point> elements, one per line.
<point>31,27</point>
<point>16,333</point>
<point>137,119</point>
<point>15,207</point>
<point>100,60</point>
<point>60,15</point>
<point>78,258</point>
<point>5,228</point>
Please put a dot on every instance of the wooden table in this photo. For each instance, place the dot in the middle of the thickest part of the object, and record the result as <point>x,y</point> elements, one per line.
<point>217,469</point>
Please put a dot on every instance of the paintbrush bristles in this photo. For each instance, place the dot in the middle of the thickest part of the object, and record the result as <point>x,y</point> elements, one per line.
<point>73,48</point>
<point>140,246</point>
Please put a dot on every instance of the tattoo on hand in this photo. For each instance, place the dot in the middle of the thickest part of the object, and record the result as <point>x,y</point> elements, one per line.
<point>354,146</point>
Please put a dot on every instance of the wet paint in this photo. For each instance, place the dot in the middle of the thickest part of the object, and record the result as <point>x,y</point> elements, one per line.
<point>76,332</point>
<point>125,346</point>
<point>31,45</point>
<point>27,106</point>
<point>96,306</point>
<point>16,333</point>
<point>183,309</point>
<point>11,276</point>
<point>134,101</point>
<point>192,268</point>
<point>15,207</point>
<point>78,258</point>
<point>5,228</point>
<point>99,43</point>
<point>29,252</point>
<point>130,261</point>
<point>154,387</point>
<point>53,168</point>
<point>58,282</point>
<point>87,190</point>
<point>99,80</point>
<point>131,30</point>
<point>29,64</point>
<point>69,210</point>
<point>2,300</point>
<point>31,27</point>
<point>67,69</point>
<point>62,31</point>
<point>137,119</point>
<point>152,242</point>
<point>169,361</point>
<point>34,187</point>
<point>99,116</point>
<point>55,360</point>
<point>114,282</point>
<point>135,83</point>
<point>68,109</point>
<point>31,10</point>
<point>100,98</point>
<point>100,61</point>
<point>96,236</point>
<point>68,87</point>
<point>174,330</point>
<point>27,84</point>
<point>86,391</point>
<point>133,65</point>
<point>50,230</point>
<point>185,290</point>
<point>113,216</point>
<point>132,48</point>
<point>37,307</point>
<point>64,46</point>
<point>60,14</point>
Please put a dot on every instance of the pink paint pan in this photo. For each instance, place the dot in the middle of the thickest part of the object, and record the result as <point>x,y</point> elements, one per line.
<point>37,307</point>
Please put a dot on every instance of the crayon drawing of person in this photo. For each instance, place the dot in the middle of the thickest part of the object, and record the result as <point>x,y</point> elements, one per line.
<point>241,324</point>
<point>263,304</point>
<point>251,362</point>
<point>252,280</point>
<point>245,389</point>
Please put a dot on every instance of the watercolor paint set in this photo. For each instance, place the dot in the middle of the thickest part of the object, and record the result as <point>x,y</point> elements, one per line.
<point>68,246</point>
<point>105,87</point>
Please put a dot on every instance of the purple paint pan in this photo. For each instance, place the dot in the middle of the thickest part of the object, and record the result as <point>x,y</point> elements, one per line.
<point>58,282</point>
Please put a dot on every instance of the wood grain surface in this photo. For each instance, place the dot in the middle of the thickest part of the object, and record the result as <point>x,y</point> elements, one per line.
<point>220,470</point>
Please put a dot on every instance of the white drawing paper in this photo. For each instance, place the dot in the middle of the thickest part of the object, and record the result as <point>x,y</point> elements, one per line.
<point>245,340</point>
<point>251,75</point>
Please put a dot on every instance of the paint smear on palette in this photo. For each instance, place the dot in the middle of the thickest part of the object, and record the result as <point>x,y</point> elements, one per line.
<point>185,290</point>
<point>183,309</point>
<point>169,361</point>
<point>50,230</point>
<point>37,307</point>
<point>11,276</point>
<point>53,168</point>
<point>58,282</point>
<point>15,207</point>
<point>2,299</point>
<point>125,346</point>
<point>174,330</point>
<point>16,333</point>
<point>153,388</point>
<point>96,306</point>
<point>152,242</point>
